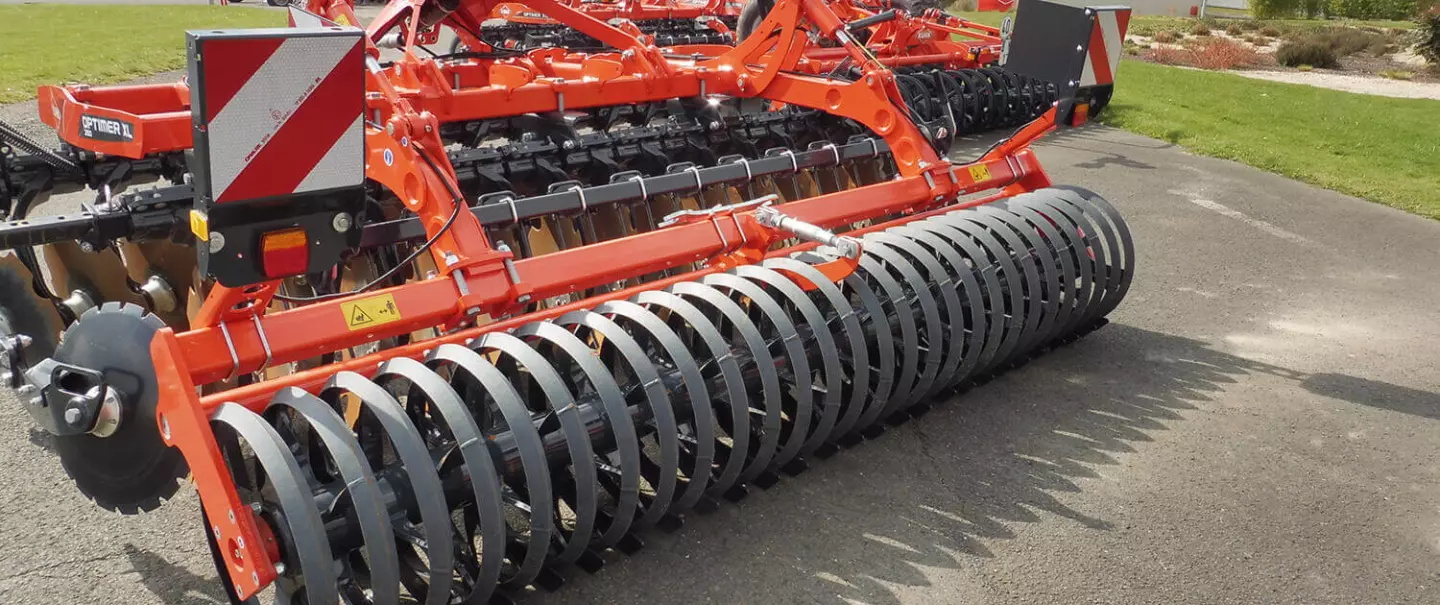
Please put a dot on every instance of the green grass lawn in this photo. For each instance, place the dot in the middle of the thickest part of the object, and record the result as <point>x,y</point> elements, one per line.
<point>55,44</point>
<point>1382,149</point>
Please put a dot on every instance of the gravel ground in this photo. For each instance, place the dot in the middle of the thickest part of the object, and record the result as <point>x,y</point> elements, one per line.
<point>1259,425</point>
<point>1369,85</point>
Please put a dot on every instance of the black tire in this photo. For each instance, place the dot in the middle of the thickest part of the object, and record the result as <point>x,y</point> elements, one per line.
<point>23,312</point>
<point>751,16</point>
<point>916,7</point>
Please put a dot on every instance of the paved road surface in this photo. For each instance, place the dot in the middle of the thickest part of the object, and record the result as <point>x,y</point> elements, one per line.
<point>1259,425</point>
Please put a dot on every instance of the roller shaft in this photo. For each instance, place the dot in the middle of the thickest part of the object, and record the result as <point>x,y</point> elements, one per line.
<point>527,450</point>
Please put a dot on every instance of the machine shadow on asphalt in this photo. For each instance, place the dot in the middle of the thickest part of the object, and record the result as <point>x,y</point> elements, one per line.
<point>171,583</point>
<point>994,456</point>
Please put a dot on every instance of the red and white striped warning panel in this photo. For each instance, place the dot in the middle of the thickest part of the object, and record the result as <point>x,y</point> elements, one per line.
<point>1107,41</point>
<point>300,17</point>
<point>278,111</point>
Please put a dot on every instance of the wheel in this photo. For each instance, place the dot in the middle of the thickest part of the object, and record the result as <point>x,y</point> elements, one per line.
<point>23,312</point>
<point>751,16</point>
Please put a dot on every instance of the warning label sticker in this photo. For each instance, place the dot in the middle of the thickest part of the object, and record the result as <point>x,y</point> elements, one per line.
<point>369,312</point>
<point>979,172</point>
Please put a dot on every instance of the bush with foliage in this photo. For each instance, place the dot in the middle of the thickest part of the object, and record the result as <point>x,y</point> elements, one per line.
<point>1346,41</point>
<point>1373,9</point>
<point>1250,25</point>
<point>1224,53</point>
<point>1274,9</point>
<point>1429,36</point>
<point>1234,30</point>
<point>1348,9</point>
<point>1210,53</point>
<point>1165,37</point>
<point>1269,32</point>
<point>1200,29</point>
<point>1307,52</point>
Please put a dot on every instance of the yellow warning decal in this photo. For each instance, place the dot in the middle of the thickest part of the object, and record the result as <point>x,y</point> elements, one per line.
<point>200,225</point>
<point>342,19</point>
<point>979,172</point>
<point>367,313</point>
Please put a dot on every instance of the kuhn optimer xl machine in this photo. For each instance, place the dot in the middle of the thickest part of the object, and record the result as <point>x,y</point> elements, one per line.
<point>433,329</point>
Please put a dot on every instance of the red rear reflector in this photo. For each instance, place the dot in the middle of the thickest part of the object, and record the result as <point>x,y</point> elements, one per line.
<point>284,253</point>
<point>1081,115</point>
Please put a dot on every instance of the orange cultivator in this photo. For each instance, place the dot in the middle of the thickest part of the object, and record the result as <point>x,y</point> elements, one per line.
<point>422,365</point>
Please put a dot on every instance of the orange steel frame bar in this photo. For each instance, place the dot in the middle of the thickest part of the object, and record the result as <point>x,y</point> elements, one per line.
<point>233,334</point>
<point>536,82</point>
<point>195,356</point>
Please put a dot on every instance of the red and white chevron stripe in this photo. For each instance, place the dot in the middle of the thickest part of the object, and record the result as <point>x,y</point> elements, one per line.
<point>1107,40</point>
<point>284,114</point>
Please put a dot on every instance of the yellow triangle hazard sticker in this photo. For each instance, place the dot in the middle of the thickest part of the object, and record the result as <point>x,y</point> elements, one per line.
<point>369,312</point>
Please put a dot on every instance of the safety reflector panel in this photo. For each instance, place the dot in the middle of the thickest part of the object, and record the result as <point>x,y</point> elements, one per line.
<point>277,111</point>
<point>1107,39</point>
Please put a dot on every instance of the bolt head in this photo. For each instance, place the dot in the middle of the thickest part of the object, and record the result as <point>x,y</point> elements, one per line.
<point>73,416</point>
<point>341,222</point>
<point>390,129</point>
<point>87,246</point>
<point>217,242</point>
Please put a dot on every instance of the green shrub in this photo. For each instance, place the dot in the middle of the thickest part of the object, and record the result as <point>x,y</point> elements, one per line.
<point>1234,30</point>
<point>1429,36</point>
<point>1305,67</point>
<point>1397,74</point>
<point>1308,52</point>
<point>1275,9</point>
<point>1346,41</point>
<point>1270,32</point>
<point>1250,25</point>
<point>1373,9</point>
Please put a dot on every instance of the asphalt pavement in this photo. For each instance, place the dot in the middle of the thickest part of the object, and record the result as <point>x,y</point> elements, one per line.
<point>1260,424</point>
